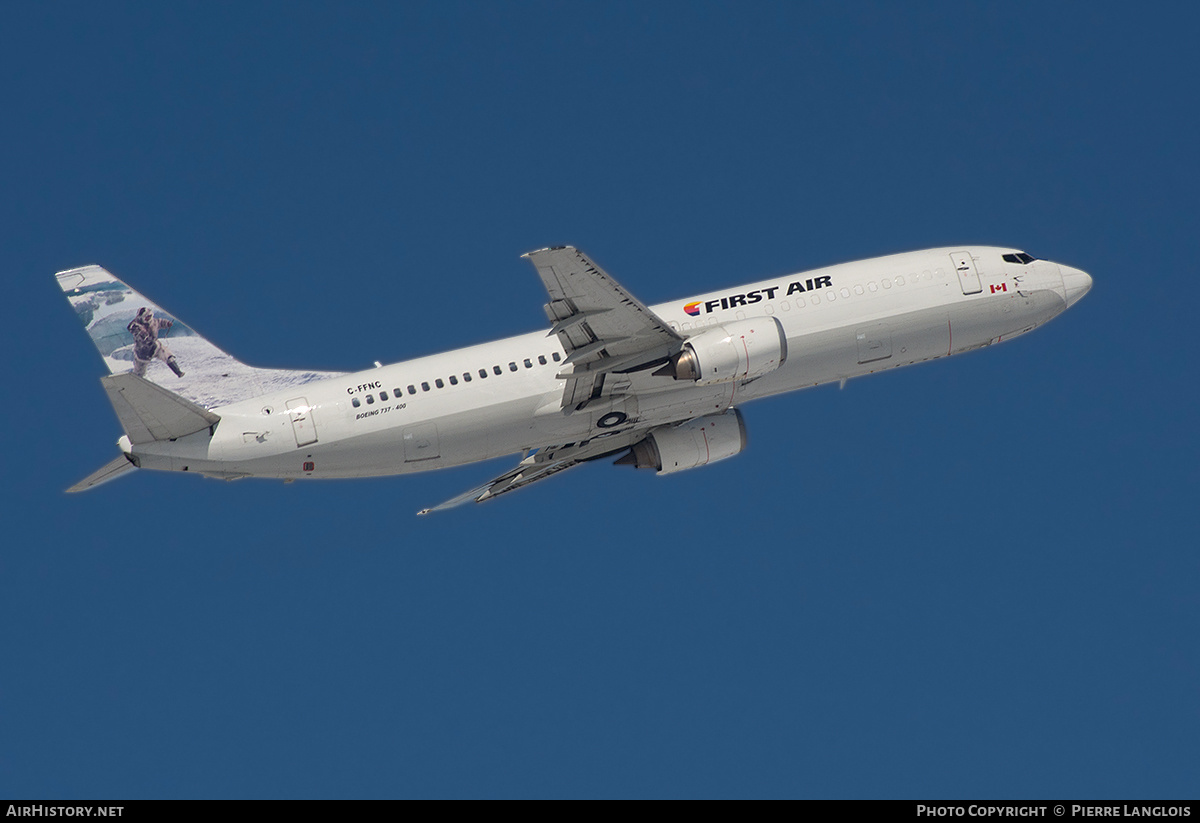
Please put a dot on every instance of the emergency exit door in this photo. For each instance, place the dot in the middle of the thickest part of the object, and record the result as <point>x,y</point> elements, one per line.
<point>968,276</point>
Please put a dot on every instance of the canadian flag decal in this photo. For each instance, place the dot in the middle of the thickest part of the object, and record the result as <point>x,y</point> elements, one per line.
<point>1001,287</point>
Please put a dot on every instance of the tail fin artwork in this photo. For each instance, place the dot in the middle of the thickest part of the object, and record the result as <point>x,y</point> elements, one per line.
<point>136,335</point>
<point>164,378</point>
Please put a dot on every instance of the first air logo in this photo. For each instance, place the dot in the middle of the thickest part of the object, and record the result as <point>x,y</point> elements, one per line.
<point>756,296</point>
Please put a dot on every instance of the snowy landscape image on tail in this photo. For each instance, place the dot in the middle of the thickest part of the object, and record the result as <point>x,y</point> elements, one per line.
<point>136,335</point>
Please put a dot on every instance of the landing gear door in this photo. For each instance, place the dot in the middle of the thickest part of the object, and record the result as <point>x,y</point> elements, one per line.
<point>968,276</point>
<point>302,421</point>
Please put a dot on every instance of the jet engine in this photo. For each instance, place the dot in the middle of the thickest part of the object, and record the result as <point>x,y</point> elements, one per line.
<point>697,442</point>
<point>732,351</point>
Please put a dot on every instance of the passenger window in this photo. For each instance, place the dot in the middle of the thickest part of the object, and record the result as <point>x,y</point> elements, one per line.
<point>830,296</point>
<point>496,369</point>
<point>542,359</point>
<point>512,366</point>
<point>872,286</point>
<point>528,363</point>
<point>483,372</point>
<point>900,280</point>
<point>424,387</point>
<point>453,380</point>
<point>467,376</point>
<point>438,382</point>
<point>858,289</point>
<point>396,393</point>
<point>354,402</point>
<point>555,356</point>
<point>846,293</point>
<point>412,389</point>
<point>383,395</point>
<point>887,284</point>
<point>370,399</point>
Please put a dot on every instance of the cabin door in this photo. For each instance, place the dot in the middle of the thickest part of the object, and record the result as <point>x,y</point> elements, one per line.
<point>302,421</point>
<point>968,276</point>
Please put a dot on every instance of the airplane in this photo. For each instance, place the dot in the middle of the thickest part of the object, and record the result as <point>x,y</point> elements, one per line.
<point>659,386</point>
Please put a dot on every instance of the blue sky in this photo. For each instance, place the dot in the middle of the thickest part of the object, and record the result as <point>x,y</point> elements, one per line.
<point>972,578</point>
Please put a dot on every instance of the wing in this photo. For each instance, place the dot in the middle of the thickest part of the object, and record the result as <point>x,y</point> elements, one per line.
<point>524,474</point>
<point>544,463</point>
<point>602,327</point>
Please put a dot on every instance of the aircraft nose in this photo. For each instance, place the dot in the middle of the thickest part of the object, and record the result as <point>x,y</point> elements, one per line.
<point>1076,283</point>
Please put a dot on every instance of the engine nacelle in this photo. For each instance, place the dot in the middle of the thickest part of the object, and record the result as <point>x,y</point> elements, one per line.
<point>732,351</point>
<point>697,442</point>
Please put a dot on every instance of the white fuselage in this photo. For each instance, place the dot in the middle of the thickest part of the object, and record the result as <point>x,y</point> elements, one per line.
<point>840,322</point>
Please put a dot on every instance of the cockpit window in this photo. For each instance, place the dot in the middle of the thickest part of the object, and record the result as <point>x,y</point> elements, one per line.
<point>1020,257</point>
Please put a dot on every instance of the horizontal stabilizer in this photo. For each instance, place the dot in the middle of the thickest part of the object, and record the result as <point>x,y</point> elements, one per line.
<point>149,412</point>
<point>109,471</point>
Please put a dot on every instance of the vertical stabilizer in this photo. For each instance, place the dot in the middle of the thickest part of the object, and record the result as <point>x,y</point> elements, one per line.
<point>136,335</point>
